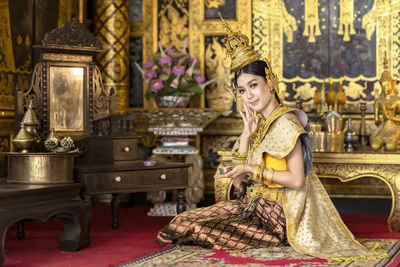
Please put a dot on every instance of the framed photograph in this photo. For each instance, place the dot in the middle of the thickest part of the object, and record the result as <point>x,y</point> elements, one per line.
<point>67,94</point>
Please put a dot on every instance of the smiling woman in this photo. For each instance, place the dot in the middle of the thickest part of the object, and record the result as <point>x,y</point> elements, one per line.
<point>281,199</point>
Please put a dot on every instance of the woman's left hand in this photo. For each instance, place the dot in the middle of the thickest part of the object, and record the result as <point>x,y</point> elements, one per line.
<point>239,172</point>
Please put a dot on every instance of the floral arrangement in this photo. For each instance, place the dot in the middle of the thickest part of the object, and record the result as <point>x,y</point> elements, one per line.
<point>172,73</point>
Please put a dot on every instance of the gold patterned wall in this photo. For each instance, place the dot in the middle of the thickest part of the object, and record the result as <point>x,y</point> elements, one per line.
<point>112,28</point>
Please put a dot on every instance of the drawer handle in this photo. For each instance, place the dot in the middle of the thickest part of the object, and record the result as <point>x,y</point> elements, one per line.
<point>127,149</point>
<point>163,176</point>
<point>118,179</point>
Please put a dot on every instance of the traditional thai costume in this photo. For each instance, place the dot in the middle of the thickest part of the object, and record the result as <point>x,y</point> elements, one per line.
<point>270,214</point>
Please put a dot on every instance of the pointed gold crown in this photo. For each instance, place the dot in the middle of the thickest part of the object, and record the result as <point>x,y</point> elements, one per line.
<point>242,53</point>
<point>238,48</point>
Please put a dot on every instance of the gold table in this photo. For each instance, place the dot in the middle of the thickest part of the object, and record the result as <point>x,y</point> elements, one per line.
<point>347,166</point>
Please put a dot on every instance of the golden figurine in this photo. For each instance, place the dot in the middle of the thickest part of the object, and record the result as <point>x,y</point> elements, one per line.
<point>318,99</point>
<point>386,105</point>
<point>340,97</point>
<point>331,96</point>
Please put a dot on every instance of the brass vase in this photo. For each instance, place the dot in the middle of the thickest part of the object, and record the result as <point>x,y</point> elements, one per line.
<point>23,141</point>
<point>31,123</point>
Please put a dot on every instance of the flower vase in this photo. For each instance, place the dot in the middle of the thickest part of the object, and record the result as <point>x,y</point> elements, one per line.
<point>172,101</point>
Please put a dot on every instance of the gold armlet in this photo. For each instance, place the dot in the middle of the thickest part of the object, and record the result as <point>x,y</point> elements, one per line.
<point>270,174</point>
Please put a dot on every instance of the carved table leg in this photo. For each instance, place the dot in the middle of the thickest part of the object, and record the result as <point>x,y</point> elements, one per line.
<point>89,209</point>
<point>20,231</point>
<point>71,237</point>
<point>180,196</point>
<point>114,211</point>
<point>394,217</point>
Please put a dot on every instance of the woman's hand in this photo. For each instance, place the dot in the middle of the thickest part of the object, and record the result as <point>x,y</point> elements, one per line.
<point>250,122</point>
<point>238,174</point>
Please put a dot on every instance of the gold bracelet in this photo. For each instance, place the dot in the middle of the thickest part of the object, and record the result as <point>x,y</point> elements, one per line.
<point>255,173</point>
<point>260,174</point>
<point>270,174</point>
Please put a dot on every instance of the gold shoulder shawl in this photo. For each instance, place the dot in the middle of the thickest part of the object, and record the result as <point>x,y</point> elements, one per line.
<point>314,226</point>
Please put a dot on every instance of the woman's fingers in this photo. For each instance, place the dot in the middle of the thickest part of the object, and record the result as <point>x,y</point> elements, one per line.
<point>248,112</point>
<point>241,114</point>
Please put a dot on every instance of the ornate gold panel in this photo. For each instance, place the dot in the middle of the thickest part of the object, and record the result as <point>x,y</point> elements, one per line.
<point>199,27</point>
<point>272,22</point>
<point>147,30</point>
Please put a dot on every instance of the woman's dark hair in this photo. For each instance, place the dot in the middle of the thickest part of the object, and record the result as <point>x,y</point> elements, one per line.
<point>255,68</point>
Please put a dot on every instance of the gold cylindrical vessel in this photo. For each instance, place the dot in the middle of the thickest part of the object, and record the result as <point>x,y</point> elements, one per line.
<point>40,168</point>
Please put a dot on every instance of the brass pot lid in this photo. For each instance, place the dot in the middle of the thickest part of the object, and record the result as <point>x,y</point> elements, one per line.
<point>23,135</point>
<point>30,116</point>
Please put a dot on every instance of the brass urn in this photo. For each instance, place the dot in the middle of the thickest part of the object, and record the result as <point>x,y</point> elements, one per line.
<point>31,123</point>
<point>23,141</point>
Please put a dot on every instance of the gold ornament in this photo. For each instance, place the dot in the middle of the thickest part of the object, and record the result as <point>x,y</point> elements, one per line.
<point>238,48</point>
<point>242,54</point>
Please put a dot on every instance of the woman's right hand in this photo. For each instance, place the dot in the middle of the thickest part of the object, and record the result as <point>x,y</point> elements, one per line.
<point>250,122</point>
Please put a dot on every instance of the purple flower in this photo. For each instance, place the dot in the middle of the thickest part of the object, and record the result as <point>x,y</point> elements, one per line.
<point>148,64</point>
<point>165,60</point>
<point>156,85</point>
<point>150,74</point>
<point>170,51</point>
<point>191,61</point>
<point>178,70</point>
<point>199,79</point>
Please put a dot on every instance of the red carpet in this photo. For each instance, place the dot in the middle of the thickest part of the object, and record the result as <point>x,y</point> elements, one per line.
<point>134,239</point>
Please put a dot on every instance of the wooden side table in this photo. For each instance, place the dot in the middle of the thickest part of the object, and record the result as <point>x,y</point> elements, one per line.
<point>129,178</point>
<point>41,202</point>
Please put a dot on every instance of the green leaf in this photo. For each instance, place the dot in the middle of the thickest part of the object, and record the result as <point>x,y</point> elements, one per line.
<point>196,71</point>
<point>195,89</point>
<point>157,56</point>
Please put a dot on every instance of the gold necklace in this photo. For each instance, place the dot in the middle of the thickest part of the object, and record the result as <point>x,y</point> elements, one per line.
<point>262,128</point>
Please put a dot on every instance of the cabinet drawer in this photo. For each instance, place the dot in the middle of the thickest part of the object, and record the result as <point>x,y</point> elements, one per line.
<point>162,177</point>
<point>125,149</point>
<point>114,180</point>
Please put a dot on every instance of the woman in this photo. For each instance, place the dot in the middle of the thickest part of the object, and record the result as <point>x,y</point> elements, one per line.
<point>282,200</point>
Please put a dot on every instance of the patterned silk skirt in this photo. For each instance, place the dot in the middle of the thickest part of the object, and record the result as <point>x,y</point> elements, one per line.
<point>232,224</point>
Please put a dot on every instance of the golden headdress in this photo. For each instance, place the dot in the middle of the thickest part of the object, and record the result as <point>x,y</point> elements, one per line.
<point>242,53</point>
<point>238,48</point>
<point>386,76</point>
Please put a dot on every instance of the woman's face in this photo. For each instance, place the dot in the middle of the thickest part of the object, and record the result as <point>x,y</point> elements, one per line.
<point>255,92</point>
